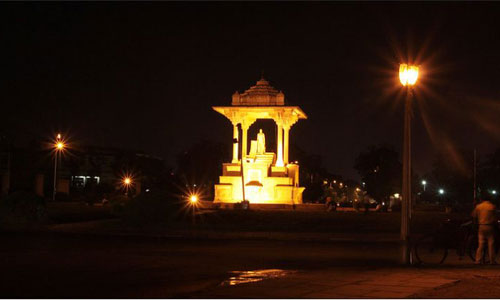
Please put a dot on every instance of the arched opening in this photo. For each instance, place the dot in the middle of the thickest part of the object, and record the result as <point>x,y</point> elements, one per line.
<point>269,128</point>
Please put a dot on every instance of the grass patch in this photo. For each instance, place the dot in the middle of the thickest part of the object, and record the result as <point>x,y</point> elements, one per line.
<point>294,221</point>
<point>304,221</point>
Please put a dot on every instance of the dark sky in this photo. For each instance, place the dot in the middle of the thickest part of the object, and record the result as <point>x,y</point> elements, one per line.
<point>145,75</point>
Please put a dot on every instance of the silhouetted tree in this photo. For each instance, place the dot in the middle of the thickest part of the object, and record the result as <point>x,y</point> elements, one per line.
<point>312,174</point>
<point>380,170</point>
<point>201,164</point>
<point>453,173</point>
<point>488,174</point>
<point>150,170</point>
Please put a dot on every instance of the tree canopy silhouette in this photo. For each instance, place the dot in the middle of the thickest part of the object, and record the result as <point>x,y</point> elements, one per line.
<point>380,169</point>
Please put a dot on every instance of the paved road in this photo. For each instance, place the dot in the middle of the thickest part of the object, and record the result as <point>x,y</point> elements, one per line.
<point>56,265</point>
<point>70,266</point>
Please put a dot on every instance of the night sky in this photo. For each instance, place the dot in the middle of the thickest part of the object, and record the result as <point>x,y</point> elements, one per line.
<point>145,75</point>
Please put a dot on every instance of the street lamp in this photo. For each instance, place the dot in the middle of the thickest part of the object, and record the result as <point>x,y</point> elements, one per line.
<point>424,183</point>
<point>193,202</point>
<point>127,182</point>
<point>59,146</point>
<point>408,76</point>
<point>441,191</point>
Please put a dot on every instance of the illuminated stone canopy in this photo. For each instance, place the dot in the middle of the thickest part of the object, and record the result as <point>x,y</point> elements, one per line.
<point>269,177</point>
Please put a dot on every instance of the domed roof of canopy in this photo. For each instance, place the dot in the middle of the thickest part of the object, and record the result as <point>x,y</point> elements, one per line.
<point>261,94</point>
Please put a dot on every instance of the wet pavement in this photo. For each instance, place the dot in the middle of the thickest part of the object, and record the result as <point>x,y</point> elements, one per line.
<point>241,277</point>
<point>336,283</point>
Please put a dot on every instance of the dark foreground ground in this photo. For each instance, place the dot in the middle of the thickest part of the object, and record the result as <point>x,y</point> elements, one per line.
<point>86,252</point>
<point>54,265</point>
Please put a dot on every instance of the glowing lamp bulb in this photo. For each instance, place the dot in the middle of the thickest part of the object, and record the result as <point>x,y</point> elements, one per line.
<point>193,199</point>
<point>127,180</point>
<point>60,145</point>
<point>408,75</point>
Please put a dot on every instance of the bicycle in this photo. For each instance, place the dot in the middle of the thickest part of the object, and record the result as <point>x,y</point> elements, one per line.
<point>452,234</point>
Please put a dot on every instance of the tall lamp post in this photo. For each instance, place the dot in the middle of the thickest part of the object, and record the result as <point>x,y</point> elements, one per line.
<point>408,76</point>
<point>59,147</point>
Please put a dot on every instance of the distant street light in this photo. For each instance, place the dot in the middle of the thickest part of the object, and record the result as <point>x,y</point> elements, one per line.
<point>424,183</point>
<point>408,76</point>
<point>59,146</point>
<point>441,192</point>
<point>494,192</point>
<point>193,202</point>
<point>127,182</point>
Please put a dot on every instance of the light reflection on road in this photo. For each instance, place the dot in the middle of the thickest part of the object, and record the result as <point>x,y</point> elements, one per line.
<point>239,277</point>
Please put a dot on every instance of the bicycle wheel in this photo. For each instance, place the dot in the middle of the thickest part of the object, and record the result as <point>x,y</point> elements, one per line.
<point>430,250</point>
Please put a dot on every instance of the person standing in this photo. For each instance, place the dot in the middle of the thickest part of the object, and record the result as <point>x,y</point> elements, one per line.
<point>484,215</point>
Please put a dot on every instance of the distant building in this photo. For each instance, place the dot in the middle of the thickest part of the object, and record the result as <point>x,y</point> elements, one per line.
<point>32,168</point>
<point>91,166</point>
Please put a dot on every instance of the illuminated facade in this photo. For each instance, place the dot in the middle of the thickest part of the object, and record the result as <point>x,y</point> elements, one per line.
<point>268,177</point>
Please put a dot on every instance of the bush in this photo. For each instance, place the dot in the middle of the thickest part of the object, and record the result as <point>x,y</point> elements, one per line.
<point>150,208</point>
<point>396,207</point>
<point>118,202</point>
<point>22,209</point>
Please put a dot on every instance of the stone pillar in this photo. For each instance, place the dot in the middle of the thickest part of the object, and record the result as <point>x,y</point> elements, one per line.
<point>235,144</point>
<point>39,185</point>
<point>286,142</point>
<point>279,160</point>
<point>244,147</point>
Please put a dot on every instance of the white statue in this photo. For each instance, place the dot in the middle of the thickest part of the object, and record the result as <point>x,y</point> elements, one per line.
<point>261,142</point>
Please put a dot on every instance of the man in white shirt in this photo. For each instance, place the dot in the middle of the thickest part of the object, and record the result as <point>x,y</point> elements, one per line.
<point>484,215</point>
